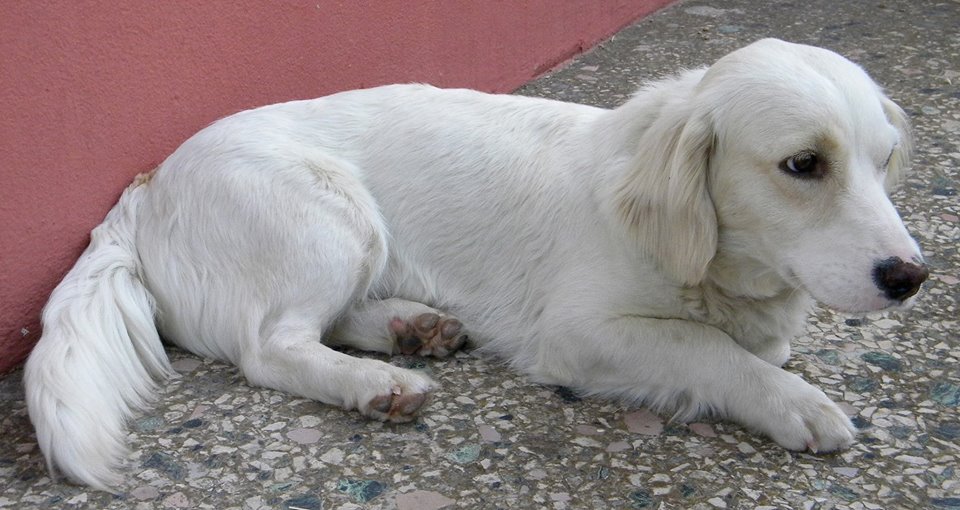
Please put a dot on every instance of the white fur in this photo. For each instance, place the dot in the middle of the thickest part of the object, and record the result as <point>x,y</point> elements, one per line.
<point>654,253</point>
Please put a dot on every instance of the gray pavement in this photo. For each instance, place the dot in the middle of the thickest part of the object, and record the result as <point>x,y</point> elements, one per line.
<point>492,439</point>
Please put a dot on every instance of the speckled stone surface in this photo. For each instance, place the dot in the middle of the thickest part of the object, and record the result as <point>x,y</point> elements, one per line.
<point>491,439</point>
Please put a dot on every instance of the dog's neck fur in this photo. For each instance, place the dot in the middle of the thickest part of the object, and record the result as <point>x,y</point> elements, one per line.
<point>762,312</point>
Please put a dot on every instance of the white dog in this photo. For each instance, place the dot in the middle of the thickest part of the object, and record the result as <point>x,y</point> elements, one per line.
<point>663,252</point>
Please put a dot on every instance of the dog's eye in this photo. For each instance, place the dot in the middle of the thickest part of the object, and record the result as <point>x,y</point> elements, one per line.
<point>805,165</point>
<point>886,162</point>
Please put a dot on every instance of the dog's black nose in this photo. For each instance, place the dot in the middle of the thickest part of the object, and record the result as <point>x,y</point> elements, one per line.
<point>898,279</point>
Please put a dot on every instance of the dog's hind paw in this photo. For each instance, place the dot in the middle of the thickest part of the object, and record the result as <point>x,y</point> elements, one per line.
<point>398,406</point>
<point>428,334</point>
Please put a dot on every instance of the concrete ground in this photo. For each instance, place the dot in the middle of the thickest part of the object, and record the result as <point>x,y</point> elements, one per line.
<point>492,439</point>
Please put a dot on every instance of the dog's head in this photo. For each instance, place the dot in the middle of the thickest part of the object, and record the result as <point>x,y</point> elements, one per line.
<point>784,158</point>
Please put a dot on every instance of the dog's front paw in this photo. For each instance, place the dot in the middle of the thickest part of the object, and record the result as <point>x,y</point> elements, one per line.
<point>801,417</point>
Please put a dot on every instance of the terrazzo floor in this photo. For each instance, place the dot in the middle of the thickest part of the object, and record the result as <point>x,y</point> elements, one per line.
<point>491,439</point>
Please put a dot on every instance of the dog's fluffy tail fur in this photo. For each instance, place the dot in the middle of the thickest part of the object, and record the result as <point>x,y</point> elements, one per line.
<point>100,355</point>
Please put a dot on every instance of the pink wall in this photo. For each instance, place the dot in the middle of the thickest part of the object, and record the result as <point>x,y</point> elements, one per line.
<point>96,91</point>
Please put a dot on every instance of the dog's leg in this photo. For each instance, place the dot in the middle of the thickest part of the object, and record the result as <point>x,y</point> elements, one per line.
<point>693,368</point>
<point>291,358</point>
<point>399,326</point>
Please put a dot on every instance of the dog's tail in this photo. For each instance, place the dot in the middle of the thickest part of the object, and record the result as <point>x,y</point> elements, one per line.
<point>100,356</point>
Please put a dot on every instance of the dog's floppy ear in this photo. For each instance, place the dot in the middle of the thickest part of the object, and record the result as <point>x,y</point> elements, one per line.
<point>665,198</point>
<point>900,160</point>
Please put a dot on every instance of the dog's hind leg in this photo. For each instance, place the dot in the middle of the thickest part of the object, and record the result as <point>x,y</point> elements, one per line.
<point>396,325</point>
<point>286,250</point>
<point>291,358</point>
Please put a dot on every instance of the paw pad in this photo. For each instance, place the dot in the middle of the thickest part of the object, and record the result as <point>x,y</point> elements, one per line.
<point>428,334</point>
<point>396,406</point>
